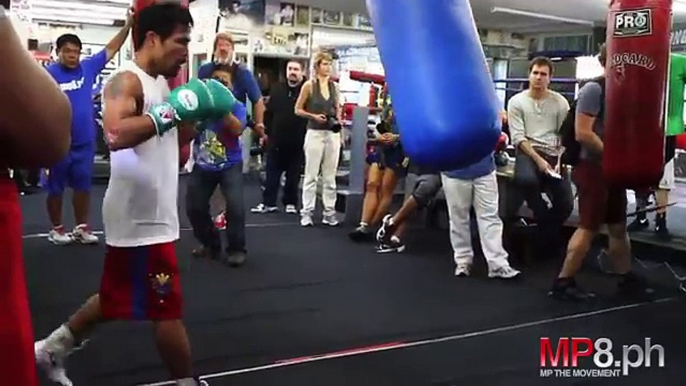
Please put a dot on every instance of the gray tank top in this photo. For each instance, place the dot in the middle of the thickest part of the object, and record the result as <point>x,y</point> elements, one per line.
<point>316,104</point>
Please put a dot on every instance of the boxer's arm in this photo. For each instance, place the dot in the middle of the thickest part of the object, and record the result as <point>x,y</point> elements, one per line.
<point>123,122</point>
<point>35,122</point>
<point>588,107</point>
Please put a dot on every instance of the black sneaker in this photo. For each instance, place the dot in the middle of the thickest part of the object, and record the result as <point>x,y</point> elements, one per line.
<point>390,247</point>
<point>236,259</point>
<point>638,224</point>
<point>661,230</point>
<point>567,289</point>
<point>361,234</point>
<point>386,230</point>
<point>635,287</point>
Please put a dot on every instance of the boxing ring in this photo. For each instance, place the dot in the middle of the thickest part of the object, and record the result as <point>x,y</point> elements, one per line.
<point>312,308</point>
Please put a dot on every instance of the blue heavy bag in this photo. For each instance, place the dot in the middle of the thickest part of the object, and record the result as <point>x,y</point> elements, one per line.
<point>438,77</point>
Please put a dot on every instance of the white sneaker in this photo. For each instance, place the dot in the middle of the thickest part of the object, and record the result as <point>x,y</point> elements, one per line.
<point>82,234</point>
<point>52,363</point>
<point>264,209</point>
<point>330,219</point>
<point>59,236</point>
<point>306,220</point>
<point>505,272</point>
<point>291,209</point>
<point>463,270</point>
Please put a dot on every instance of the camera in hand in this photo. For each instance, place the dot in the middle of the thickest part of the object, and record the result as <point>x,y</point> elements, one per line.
<point>333,124</point>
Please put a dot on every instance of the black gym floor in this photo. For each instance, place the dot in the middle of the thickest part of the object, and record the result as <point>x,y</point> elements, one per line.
<point>312,308</point>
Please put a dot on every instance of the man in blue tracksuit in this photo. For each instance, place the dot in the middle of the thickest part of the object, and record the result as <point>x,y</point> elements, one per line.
<point>476,186</point>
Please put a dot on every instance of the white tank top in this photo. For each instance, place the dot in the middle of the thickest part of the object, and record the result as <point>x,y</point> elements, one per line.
<point>140,205</point>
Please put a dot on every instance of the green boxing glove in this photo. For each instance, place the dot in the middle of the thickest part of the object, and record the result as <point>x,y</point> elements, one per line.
<point>190,102</point>
<point>223,98</point>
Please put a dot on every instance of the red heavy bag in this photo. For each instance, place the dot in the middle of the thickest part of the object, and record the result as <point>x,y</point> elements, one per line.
<point>182,77</point>
<point>638,38</point>
<point>18,365</point>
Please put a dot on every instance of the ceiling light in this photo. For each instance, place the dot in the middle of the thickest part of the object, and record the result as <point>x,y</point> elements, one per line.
<point>74,20</point>
<point>59,13</point>
<point>99,9</point>
<point>541,16</point>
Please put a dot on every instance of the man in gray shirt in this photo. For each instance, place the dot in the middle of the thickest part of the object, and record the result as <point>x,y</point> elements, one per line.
<point>598,204</point>
<point>535,116</point>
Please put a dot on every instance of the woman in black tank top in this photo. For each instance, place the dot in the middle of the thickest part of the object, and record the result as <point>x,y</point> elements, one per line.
<point>319,102</point>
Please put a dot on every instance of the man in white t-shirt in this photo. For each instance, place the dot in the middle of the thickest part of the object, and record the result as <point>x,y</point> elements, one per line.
<point>145,124</point>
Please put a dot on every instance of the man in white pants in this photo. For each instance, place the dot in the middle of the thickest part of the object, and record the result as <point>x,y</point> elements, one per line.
<point>477,186</point>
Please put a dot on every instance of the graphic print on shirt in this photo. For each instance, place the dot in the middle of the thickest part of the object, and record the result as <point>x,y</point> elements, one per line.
<point>214,152</point>
<point>73,85</point>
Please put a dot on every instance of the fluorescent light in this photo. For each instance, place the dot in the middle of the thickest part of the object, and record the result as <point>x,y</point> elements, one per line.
<point>541,16</point>
<point>59,13</point>
<point>100,9</point>
<point>74,20</point>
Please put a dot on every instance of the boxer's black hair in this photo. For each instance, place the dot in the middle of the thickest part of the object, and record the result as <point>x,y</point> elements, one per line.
<point>162,19</point>
<point>68,39</point>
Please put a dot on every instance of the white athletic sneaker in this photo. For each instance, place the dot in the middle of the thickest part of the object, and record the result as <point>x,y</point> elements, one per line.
<point>51,354</point>
<point>330,219</point>
<point>291,209</point>
<point>463,270</point>
<point>82,234</point>
<point>306,220</point>
<point>59,236</point>
<point>505,272</point>
<point>264,209</point>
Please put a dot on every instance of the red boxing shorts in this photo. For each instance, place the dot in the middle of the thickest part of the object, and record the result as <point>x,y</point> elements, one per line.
<point>141,283</point>
<point>18,366</point>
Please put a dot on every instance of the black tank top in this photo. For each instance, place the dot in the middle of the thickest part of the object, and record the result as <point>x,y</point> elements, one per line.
<point>316,104</point>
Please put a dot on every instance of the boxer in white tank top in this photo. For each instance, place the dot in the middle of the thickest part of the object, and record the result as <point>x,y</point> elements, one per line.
<point>144,126</point>
<point>140,205</point>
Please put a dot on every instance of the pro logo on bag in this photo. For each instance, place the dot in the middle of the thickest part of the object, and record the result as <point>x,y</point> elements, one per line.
<point>633,23</point>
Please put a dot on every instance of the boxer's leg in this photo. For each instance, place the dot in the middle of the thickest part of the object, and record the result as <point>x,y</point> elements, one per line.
<point>619,248</point>
<point>54,182</point>
<point>80,179</point>
<point>593,196</point>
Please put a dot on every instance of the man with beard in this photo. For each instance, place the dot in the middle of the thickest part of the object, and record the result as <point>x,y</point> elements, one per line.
<point>287,137</point>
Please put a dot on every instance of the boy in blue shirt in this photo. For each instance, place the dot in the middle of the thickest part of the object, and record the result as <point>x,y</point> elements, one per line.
<point>218,161</point>
<point>476,186</point>
<point>76,78</point>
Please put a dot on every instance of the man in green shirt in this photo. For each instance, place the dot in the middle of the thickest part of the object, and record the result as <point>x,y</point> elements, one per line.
<point>675,126</point>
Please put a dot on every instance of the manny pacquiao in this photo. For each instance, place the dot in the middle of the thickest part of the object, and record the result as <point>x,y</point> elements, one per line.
<point>145,124</point>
